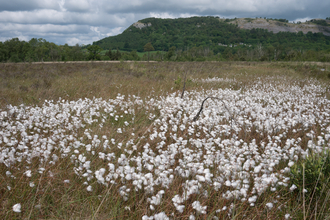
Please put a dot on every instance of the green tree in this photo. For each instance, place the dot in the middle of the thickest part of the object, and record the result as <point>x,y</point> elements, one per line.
<point>116,55</point>
<point>94,51</point>
<point>270,52</point>
<point>75,53</point>
<point>148,47</point>
<point>41,49</point>
<point>2,53</point>
<point>126,46</point>
<point>109,54</point>
<point>171,52</point>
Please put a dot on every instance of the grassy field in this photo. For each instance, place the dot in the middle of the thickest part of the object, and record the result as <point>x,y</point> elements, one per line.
<point>121,140</point>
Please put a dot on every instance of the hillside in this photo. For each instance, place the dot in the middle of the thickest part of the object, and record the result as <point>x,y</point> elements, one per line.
<point>277,26</point>
<point>164,33</point>
<point>215,33</point>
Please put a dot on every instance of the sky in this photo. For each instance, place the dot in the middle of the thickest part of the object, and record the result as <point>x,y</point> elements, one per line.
<point>85,21</point>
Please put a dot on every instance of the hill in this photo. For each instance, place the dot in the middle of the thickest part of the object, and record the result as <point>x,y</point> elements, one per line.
<point>282,25</point>
<point>215,34</point>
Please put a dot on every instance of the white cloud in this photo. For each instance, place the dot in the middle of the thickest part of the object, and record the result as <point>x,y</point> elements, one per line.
<point>302,19</point>
<point>79,5</point>
<point>161,15</point>
<point>115,31</point>
<point>61,4</point>
<point>81,21</point>
<point>73,41</point>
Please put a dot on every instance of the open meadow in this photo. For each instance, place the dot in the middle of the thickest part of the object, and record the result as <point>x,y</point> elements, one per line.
<point>124,140</point>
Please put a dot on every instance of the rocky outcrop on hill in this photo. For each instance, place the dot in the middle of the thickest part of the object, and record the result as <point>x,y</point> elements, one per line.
<point>141,25</point>
<point>277,26</point>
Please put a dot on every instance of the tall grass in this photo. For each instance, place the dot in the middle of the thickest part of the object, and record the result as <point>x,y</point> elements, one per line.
<point>29,83</point>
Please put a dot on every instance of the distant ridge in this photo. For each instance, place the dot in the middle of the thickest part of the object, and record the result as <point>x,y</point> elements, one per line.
<point>216,33</point>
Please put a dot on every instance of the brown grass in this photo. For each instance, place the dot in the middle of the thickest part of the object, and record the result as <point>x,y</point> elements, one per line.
<point>33,83</point>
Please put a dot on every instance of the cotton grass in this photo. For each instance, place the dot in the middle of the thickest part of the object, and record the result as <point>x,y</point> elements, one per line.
<point>235,151</point>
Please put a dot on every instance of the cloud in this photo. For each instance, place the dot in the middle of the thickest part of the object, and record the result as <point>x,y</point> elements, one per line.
<point>78,5</point>
<point>31,5</point>
<point>115,31</point>
<point>84,21</point>
<point>302,19</point>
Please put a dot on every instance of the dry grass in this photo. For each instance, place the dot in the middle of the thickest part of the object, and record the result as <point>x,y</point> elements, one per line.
<point>34,83</point>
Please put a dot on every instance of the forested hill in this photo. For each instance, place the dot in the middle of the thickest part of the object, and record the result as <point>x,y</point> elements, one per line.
<point>213,33</point>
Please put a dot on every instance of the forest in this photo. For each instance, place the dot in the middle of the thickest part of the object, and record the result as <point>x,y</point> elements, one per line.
<point>182,39</point>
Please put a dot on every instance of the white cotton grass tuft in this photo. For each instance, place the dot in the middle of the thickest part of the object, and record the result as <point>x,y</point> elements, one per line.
<point>199,208</point>
<point>17,207</point>
<point>269,205</point>
<point>161,216</point>
<point>293,187</point>
<point>192,217</point>
<point>28,173</point>
<point>287,216</point>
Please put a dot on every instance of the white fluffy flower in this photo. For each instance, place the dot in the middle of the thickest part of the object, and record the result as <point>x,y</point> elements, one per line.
<point>293,187</point>
<point>287,216</point>
<point>270,205</point>
<point>28,173</point>
<point>197,206</point>
<point>161,216</point>
<point>252,199</point>
<point>17,207</point>
<point>192,217</point>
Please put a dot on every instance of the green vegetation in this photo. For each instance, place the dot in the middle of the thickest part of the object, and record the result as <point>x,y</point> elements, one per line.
<point>39,50</point>
<point>182,39</point>
<point>94,51</point>
<point>320,22</point>
<point>312,174</point>
<point>148,47</point>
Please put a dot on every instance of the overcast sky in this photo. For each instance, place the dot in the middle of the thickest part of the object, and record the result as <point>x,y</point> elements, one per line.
<point>85,21</point>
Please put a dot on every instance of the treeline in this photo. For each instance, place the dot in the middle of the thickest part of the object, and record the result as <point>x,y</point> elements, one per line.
<point>40,50</point>
<point>257,53</point>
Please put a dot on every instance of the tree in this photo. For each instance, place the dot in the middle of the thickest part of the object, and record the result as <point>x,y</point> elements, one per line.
<point>41,49</point>
<point>126,46</point>
<point>270,52</point>
<point>94,51</point>
<point>75,53</point>
<point>171,52</point>
<point>109,54</point>
<point>148,47</point>
<point>118,54</point>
